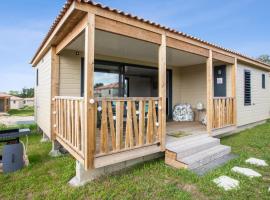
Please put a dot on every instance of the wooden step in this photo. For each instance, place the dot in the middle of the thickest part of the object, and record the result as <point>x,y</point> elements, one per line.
<point>194,146</point>
<point>171,160</point>
<point>185,140</point>
<point>206,156</point>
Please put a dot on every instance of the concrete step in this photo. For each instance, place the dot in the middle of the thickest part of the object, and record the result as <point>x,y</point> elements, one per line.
<point>183,141</point>
<point>206,156</point>
<point>214,164</point>
<point>196,147</point>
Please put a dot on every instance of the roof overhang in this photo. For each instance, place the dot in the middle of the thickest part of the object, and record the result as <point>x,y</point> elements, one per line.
<point>74,10</point>
<point>67,19</point>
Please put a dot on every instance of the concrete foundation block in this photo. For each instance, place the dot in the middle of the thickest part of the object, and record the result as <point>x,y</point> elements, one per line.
<point>133,162</point>
<point>55,152</point>
<point>44,138</point>
<point>84,176</point>
<point>114,168</point>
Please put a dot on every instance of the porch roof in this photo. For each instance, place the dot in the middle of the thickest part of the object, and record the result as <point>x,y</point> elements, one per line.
<point>68,4</point>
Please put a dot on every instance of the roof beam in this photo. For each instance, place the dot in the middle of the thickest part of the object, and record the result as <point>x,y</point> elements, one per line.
<point>72,35</point>
<point>184,46</point>
<point>127,30</point>
<point>223,57</point>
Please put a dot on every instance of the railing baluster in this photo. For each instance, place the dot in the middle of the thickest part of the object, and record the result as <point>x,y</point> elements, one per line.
<point>150,122</point>
<point>141,122</point>
<point>155,133</point>
<point>104,129</point>
<point>135,123</point>
<point>119,129</point>
<point>112,129</point>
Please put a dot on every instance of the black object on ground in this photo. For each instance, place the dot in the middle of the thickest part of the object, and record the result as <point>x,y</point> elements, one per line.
<point>12,158</point>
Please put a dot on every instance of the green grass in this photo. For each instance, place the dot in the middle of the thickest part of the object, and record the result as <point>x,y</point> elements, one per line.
<point>26,111</point>
<point>46,177</point>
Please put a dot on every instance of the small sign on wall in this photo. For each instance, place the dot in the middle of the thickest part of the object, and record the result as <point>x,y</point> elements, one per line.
<point>219,80</point>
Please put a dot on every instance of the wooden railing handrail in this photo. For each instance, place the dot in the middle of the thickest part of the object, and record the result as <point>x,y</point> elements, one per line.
<point>68,98</point>
<point>127,98</point>
<point>223,98</point>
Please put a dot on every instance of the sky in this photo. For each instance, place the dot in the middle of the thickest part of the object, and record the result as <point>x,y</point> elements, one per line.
<point>241,25</point>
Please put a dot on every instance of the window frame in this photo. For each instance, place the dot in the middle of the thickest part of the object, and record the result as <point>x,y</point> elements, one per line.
<point>250,97</point>
<point>263,81</point>
<point>37,77</point>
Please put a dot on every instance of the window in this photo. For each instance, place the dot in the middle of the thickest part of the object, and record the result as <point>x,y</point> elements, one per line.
<point>247,88</point>
<point>37,78</point>
<point>263,81</point>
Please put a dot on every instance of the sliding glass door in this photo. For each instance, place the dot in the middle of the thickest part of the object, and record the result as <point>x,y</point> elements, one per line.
<point>113,79</point>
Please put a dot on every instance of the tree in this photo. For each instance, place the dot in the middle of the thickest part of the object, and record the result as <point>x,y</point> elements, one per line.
<point>98,85</point>
<point>264,58</point>
<point>14,93</point>
<point>25,93</point>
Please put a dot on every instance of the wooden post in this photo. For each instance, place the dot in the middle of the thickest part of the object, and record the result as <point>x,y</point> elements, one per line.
<point>209,78</point>
<point>89,108</point>
<point>55,70</point>
<point>162,88</point>
<point>233,78</point>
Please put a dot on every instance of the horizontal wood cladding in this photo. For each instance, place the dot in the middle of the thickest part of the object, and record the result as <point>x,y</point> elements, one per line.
<point>127,30</point>
<point>184,46</point>
<point>222,57</point>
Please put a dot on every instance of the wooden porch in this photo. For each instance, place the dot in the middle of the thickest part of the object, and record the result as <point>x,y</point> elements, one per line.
<point>177,130</point>
<point>108,130</point>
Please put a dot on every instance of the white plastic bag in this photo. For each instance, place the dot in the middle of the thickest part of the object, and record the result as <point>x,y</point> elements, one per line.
<point>182,113</point>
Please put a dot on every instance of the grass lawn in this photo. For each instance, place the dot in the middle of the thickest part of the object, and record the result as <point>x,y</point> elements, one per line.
<point>26,111</point>
<point>46,178</point>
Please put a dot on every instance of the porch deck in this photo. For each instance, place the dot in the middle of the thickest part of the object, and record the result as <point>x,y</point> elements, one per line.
<point>177,130</point>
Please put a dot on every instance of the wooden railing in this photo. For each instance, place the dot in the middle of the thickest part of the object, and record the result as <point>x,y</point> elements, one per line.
<point>121,124</point>
<point>69,124</point>
<point>223,113</point>
<point>127,123</point>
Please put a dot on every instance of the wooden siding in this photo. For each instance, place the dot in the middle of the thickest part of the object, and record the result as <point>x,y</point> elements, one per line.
<point>189,85</point>
<point>43,94</point>
<point>70,73</point>
<point>229,80</point>
<point>260,104</point>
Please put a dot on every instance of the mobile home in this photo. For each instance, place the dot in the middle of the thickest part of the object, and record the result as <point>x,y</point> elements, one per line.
<point>16,102</point>
<point>107,83</point>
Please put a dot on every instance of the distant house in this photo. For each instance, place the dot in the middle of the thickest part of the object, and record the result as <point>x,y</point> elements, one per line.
<point>28,101</point>
<point>109,90</point>
<point>16,102</point>
<point>4,102</point>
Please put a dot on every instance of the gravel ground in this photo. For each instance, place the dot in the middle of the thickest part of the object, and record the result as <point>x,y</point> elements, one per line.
<point>14,120</point>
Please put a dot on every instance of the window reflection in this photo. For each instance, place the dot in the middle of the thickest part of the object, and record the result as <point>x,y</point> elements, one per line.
<point>106,84</point>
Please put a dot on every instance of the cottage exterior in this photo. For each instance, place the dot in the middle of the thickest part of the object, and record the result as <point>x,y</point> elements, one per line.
<point>28,102</point>
<point>16,102</point>
<point>155,68</point>
<point>4,102</point>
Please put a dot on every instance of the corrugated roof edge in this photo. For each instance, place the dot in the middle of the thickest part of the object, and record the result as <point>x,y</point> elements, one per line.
<point>69,2</point>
